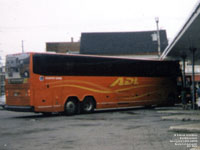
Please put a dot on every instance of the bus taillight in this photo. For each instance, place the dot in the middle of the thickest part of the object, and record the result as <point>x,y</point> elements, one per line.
<point>6,93</point>
<point>29,93</point>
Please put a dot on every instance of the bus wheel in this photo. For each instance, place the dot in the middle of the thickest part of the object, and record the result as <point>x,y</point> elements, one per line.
<point>171,99</point>
<point>70,107</point>
<point>149,106</point>
<point>88,105</point>
<point>46,114</point>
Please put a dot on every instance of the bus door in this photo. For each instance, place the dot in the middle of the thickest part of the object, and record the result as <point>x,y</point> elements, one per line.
<point>43,97</point>
<point>54,90</point>
<point>57,100</point>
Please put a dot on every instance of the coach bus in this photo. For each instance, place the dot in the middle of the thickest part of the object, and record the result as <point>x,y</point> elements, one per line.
<point>46,83</point>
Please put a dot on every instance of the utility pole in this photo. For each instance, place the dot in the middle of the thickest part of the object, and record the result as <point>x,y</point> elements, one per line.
<point>158,36</point>
<point>22,46</point>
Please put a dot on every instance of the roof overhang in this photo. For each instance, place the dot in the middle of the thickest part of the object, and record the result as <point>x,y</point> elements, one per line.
<point>187,39</point>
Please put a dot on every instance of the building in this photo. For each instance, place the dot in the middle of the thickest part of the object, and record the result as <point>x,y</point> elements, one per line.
<point>123,43</point>
<point>63,47</point>
<point>2,80</point>
<point>188,71</point>
<point>113,43</point>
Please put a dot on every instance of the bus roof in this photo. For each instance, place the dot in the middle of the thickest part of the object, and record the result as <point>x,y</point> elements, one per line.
<point>97,56</point>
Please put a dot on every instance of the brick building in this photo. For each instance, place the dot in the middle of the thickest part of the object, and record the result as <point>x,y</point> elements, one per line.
<point>63,47</point>
<point>2,80</point>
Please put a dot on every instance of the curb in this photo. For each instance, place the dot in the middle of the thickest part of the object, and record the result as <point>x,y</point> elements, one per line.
<point>192,128</point>
<point>196,148</point>
<point>194,112</point>
<point>188,117</point>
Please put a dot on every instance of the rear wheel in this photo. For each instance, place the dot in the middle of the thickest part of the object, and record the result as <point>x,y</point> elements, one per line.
<point>70,107</point>
<point>88,105</point>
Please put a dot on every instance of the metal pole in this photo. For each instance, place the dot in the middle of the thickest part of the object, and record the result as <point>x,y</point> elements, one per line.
<point>183,91</point>
<point>184,82</point>
<point>193,79</point>
<point>158,36</point>
<point>22,46</point>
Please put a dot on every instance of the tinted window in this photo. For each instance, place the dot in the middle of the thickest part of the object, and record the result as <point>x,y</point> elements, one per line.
<point>47,64</point>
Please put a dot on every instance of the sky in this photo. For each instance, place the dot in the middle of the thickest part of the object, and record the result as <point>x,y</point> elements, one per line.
<point>39,21</point>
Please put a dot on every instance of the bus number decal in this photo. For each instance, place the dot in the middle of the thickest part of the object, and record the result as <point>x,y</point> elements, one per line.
<point>121,81</point>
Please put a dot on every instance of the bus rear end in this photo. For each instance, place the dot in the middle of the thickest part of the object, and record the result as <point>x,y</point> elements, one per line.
<point>18,82</point>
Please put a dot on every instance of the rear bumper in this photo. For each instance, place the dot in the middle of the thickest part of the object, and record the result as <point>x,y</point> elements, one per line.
<point>19,108</point>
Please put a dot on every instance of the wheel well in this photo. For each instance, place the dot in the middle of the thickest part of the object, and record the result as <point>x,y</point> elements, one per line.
<point>91,98</point>
<point>73,98</point>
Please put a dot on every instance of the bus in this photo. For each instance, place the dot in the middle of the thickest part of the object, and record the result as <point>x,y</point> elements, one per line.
<point>70,84</point>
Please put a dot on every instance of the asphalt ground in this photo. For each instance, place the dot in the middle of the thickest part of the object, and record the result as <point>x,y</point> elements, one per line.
<point>119,129</point>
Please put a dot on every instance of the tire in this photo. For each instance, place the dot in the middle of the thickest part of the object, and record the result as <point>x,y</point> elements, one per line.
<point>171,99</point>
<point>88,105</point>
<point>46,114</point>
<point>149,107</point>
<point>71,107</point>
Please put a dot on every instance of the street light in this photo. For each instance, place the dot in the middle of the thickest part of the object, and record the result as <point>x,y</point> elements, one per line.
<point>158,35</point>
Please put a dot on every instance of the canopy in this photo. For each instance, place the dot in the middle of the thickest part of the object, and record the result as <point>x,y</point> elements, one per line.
<point>187,39</point>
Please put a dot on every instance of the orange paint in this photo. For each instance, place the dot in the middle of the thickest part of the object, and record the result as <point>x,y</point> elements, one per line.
<point>50,93</point>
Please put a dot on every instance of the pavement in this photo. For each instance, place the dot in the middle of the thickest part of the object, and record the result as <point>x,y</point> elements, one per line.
<point>173,113</point>
<point>130,129</point>
<point>196,148</point>
<point>190,119</point>
<point>125,129</point>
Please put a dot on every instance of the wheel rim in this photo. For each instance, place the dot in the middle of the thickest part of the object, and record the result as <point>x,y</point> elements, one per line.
<point>88,106</point>
<point>70,107</point>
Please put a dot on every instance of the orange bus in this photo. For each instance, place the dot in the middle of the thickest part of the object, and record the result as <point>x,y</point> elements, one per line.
<point>46,83</point>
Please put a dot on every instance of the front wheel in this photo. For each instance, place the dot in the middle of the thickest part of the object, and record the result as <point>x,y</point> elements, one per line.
<point>171,99</point>
<point>70,107</point>
<point>46,114</point>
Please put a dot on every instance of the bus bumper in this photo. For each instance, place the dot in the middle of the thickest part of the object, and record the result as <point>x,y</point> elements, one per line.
<point>19,108</point>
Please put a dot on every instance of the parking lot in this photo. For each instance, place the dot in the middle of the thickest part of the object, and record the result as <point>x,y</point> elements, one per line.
<point>124,129</point>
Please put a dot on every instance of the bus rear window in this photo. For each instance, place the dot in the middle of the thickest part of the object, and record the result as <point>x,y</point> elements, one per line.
<point>17,66</point>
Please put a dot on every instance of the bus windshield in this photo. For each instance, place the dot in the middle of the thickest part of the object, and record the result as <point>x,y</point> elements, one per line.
<point>17,66</point>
